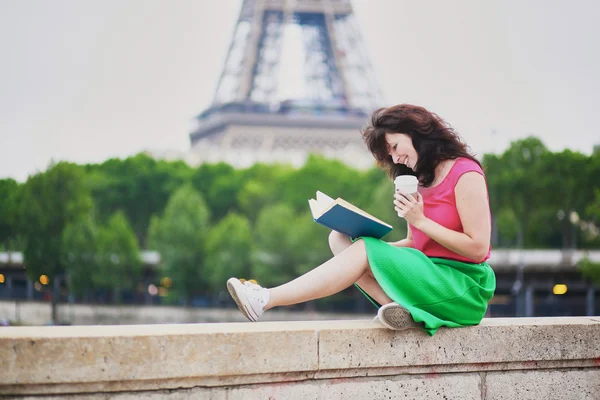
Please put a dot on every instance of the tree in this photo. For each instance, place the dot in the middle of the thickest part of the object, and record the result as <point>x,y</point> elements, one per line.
<point>260,187</point>
<point>80,240</point>
<point>119,263</point>
<point>50,201</point>
<point>179,236</point>
<point>329,176</point>
<point>218,184</point>
<point>265,172</point>
<point>228,251</point>
<point>273,261</point>
<point>382,207</point>
<point>255,195</point>
<point>287,245</point>
<point>592,232</point>
<point>590,270</point>
<point>517,184</point>
<point>592,212</point>
<point>308,243</point>
<point>562,182</point>
<point>204,177</point>
<point>140,186</point>
<point>222,196</point>
<point>493,168</point>
<point>9,227</point>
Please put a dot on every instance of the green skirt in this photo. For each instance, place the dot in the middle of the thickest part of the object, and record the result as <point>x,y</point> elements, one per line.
<point>436,291</point>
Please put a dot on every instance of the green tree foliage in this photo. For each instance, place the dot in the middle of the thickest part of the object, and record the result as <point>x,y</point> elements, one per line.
<point>266,173</point>
<point>514,181</point>
<point>593,209</point>
<point>590,270</point>
<point>50,201</point>
<point>80,240</point>
<point>493,168</point>
<point>592,225</point>
<point>259,188</point>
<point>228,250</point>
<point>273,263</point>
<point>253,196</point>
<point>560,178</point>
<point>329,176</point>
<point>308,243</point>
<point>119,263</point>
<point>179,236</point>
<point>287,245</point>
<point>262,225</point>
<point>218,184</point>
<point>507,223</point>
<point>593,182</point>
<point>139,186</point>
<point>381,205</point>
<point>533,193</point>
<point>9,213</point>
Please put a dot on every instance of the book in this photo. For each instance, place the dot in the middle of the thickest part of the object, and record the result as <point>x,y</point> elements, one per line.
<point>341,216</point>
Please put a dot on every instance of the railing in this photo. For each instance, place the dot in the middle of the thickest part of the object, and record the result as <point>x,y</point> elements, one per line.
<point>501,259</point>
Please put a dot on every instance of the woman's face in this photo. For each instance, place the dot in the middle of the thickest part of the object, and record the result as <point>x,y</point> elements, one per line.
<point>401,149</point>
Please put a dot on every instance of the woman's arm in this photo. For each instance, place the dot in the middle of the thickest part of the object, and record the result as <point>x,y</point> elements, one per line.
<point>473,210</point>
<point>407,242</point>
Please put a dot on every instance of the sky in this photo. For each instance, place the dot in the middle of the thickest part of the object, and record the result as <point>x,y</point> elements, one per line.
<point>87,80</point>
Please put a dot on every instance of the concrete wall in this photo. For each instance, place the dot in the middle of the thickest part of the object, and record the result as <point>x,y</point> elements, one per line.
<point>545,358</point>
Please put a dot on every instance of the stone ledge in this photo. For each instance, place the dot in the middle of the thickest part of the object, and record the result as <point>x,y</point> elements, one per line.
<point>91,359</point>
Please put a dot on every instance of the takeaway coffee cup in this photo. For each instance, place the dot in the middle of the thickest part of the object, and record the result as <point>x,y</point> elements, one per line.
<point>407,184</point>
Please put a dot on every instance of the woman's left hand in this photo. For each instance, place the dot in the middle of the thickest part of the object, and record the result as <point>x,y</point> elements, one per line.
<point>409,208</point>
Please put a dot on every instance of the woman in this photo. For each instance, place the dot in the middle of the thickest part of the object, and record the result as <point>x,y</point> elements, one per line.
<point>438,275</point>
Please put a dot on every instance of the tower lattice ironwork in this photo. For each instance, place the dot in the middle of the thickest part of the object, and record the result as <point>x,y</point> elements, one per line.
<point>296,80</point>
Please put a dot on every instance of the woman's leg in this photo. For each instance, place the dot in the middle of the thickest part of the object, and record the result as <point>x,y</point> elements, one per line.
<point>349,265</point>
<point>338,242</point>
<point>329,278</point>
<point>369,284</point>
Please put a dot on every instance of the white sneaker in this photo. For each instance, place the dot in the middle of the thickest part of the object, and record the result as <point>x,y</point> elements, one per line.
<point>250,298</point>
<point>396,317</point>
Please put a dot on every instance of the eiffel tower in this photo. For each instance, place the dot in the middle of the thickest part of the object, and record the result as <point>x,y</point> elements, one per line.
<point>296,81</point>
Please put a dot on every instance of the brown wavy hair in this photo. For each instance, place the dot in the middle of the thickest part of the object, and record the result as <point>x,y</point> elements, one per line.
<point>433,139</point>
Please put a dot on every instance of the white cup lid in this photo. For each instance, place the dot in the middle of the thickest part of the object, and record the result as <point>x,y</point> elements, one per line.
<point>406,180</point>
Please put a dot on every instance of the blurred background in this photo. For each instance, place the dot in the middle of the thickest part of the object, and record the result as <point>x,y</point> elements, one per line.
<point>153,149</point>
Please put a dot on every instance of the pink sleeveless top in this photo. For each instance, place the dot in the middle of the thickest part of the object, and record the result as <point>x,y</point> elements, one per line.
<point>439,205</point>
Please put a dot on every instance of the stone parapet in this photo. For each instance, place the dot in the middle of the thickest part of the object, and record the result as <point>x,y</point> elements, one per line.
<point>520,358</point>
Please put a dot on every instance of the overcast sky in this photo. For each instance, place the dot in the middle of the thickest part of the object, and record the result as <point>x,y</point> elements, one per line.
<point>85,80</point>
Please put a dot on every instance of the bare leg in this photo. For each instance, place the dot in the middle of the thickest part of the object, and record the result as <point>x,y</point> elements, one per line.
<point>329,278</point>
<point>338,242</point>
<point>369,284</point>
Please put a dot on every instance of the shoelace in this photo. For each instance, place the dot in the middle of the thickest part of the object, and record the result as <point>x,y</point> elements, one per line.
<point>252,286</point>
<point>255,289</point>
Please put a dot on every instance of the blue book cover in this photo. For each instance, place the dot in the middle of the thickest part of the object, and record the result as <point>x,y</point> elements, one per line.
<point>344,217</point>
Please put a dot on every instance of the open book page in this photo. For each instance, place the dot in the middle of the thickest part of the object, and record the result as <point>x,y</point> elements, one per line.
<point>314,208</point>
<point>321,204</point>
<point>357,210</point>
<point>323,199</point>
